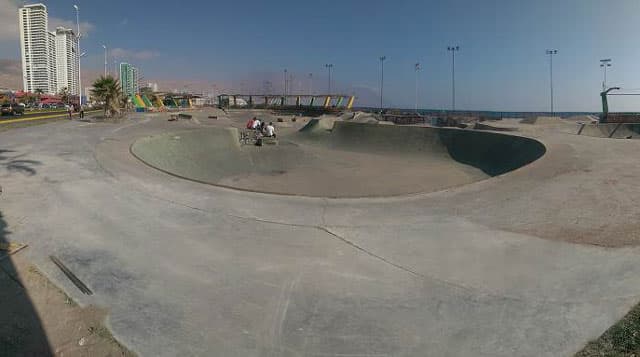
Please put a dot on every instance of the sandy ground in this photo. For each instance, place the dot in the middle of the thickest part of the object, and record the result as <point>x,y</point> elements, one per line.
<point>38,319</point>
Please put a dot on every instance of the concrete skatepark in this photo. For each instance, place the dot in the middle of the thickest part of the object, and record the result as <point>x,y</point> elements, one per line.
<point>534,258</point>
<point>339,159</point>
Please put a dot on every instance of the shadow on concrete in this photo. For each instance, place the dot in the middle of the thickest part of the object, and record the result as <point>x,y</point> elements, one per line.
<point>15,163</point>
<point>495,154</point>
<point>21,330</point>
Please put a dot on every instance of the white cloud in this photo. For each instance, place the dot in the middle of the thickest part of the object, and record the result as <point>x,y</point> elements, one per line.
<point>9,22</point>
<point>85,27</point>
<point>124,54</point>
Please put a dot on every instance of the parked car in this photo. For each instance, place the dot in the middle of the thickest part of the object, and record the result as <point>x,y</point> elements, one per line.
<point>12,109</point>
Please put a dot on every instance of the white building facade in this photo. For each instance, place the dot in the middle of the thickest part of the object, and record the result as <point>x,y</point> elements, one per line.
<point>129,79</point>
<point>66,60</point>
<point>37,45</point>
<point>49,59</point>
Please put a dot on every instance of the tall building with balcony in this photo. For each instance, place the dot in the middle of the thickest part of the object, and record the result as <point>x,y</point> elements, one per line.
<point>129,78</point>
<point>38,47</point>
<point>67,60</point>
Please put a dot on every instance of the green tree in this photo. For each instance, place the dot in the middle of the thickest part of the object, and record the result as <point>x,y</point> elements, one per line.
<point>39,92</point>
<point>64,95</point>
<point>107,90</point>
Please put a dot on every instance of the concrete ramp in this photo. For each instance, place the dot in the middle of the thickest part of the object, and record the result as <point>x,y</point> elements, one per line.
<point>493,153</point>
<point>610,130</point>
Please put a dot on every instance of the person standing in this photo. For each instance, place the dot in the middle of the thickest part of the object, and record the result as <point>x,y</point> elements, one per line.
<point>70,111</point>
<point>81,112</point>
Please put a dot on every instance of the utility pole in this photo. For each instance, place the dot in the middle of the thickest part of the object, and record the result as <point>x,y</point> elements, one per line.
<point>417,69</point>
<point>604,63</point>
<point>551,53</point>
<point>382,59</point>
<point>329,67</point>
<point>453,50</point>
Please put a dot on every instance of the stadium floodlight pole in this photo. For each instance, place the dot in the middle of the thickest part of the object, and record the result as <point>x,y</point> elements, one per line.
<point>105,59</point>
<point>551,53</point>
<point>417,69</point>
<point>453,50</point>
<point>382,59</point>
<point>78,51</point>
<point>604,63</point>
<point>329,66</point>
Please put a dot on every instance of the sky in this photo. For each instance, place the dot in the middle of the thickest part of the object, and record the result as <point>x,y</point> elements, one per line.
<point>501,64</point>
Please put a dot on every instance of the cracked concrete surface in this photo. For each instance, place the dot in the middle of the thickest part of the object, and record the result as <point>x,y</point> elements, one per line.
<point>494,268</point>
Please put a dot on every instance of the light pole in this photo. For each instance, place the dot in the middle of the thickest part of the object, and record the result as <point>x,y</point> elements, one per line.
<point>417,69</point>
<point>105,59</point>
<point>78,51</point>
<point>382,59</point>
<point>551,53</point>
<point>329,66</point>
<point>310,83</point>
<point>285,83</point>
<point>604,63</point>
<point>453,50</point>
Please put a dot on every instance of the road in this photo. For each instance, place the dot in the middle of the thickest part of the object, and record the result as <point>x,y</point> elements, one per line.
<point>513,265</point>
<point>28,114</point>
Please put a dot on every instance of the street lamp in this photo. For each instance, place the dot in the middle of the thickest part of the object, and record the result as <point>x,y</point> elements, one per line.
<point>453,50</point>
<point>285,83</point>
<point>382,59</point>
<point>329,66</point>
<point>604,63</point>
<point>105,59</point>
<point>78,51</point>
<point>417,69</point>
<point>551,53</point>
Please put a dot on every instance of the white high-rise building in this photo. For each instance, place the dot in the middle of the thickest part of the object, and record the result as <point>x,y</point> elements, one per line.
<point>66,60</point>
<point>38,49</point>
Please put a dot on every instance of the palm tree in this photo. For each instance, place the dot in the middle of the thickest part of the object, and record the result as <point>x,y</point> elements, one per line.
<point>107,90</point>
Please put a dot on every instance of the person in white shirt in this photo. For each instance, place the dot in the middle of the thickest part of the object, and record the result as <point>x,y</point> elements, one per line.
<point>256,124</point>
<point>270,130</point>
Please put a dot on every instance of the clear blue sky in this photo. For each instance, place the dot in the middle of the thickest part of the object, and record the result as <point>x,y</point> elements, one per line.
<point>501,65</point>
